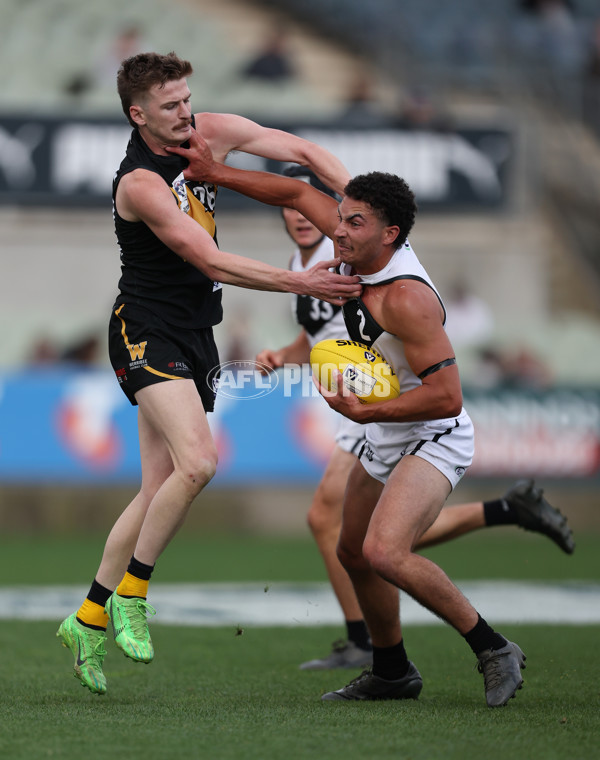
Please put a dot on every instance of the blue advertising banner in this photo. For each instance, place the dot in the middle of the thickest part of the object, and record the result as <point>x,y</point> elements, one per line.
<point>67,426</point>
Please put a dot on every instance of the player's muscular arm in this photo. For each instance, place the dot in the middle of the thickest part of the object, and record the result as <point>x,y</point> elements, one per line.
<point>227,132</point>
<point>412,312</point>
<point>143,196</point>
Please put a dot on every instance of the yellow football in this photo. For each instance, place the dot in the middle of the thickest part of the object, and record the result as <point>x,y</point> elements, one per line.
<point>364,371</point>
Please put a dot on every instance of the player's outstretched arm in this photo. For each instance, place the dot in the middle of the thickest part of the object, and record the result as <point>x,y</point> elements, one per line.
<point>225,132</point>
<point>271,189</point>
<point>143,196</point>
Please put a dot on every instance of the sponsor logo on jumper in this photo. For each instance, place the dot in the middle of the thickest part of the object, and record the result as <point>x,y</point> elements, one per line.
<point>178,366</point>
<point>180,190</point>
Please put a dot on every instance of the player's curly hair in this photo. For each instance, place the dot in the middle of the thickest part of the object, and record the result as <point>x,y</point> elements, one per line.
<point>139,73</point>
<point>389,196</point>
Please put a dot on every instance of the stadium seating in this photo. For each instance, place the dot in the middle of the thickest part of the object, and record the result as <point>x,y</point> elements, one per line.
<point>51,47</point>
<point>54,50</point>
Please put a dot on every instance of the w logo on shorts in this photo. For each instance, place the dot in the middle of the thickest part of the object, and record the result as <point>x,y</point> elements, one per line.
<point>137,350</point>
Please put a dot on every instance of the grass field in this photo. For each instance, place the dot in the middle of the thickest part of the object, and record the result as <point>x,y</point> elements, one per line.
<point>213,694</point>
<point>499,553</point>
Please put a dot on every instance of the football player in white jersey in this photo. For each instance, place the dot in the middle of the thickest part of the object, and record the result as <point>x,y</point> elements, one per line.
<point>418,444</point>
<point>522,505</point>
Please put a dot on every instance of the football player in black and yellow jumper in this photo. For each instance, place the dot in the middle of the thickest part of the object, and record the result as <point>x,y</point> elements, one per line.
<point>161,332</point>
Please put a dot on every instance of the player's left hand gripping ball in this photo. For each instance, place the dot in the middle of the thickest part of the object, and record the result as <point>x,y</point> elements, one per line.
<point>364,371</point>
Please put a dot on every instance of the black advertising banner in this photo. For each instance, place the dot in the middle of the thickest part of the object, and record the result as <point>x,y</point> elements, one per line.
<point>59,162</point>
<point>71,162</point>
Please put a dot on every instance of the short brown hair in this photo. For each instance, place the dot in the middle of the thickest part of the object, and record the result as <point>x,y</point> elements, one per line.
<point>141,72</point>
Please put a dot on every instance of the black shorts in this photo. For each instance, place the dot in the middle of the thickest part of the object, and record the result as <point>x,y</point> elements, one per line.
<point>144,350</point>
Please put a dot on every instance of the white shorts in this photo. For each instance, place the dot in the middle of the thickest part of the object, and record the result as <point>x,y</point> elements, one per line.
<point>448,444</point>
<point>350,435</point>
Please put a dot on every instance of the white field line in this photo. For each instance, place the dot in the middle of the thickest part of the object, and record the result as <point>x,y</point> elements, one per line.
<point>313,604</point>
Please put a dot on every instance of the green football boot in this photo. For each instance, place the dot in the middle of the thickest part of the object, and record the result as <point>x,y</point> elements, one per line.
<point>87,645</point>
<point>129,618</point>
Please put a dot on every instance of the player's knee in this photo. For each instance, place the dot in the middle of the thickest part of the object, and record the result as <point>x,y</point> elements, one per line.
<point>201,471</point>
<point>351,558</point>
<point>313,520</point>
<point>372,552</point>
<point>207,467</point>
<point>321,520</point>
<point>387,561</point>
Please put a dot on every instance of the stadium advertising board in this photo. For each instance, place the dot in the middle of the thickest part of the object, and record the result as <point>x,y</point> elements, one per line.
<point>71,162</point>
<point>72,427</point>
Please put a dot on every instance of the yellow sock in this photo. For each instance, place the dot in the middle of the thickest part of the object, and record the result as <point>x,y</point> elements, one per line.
<point>132,586</point>
<point>91,613</point>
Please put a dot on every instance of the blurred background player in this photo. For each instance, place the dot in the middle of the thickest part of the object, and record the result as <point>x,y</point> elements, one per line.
<point>522,505</point>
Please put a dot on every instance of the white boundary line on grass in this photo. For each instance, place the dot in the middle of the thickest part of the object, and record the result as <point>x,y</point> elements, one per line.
<point>313,604</point>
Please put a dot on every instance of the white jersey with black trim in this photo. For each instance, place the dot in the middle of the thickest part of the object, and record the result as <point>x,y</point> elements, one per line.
<point>320,319</point>
<point>404,264</point>
<point>445,443</point>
